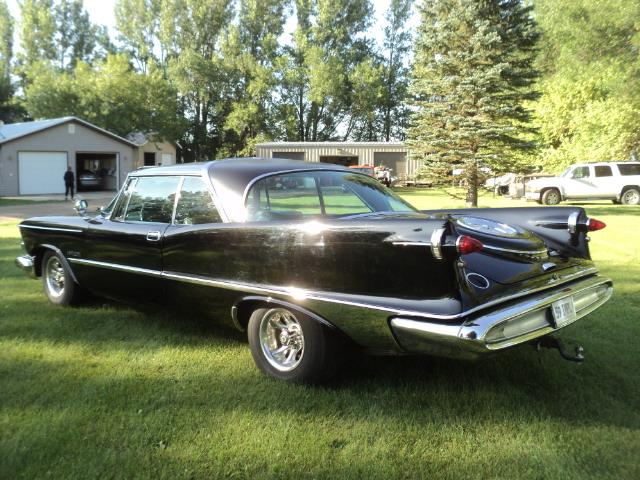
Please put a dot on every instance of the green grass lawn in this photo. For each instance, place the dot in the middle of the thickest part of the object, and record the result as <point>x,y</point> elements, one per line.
<point>105,391</point>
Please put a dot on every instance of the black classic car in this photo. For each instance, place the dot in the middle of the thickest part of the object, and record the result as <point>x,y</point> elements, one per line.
<point>311,259</point>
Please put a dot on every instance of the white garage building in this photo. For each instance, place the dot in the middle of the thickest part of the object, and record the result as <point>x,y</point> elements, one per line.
<point>35,155</point>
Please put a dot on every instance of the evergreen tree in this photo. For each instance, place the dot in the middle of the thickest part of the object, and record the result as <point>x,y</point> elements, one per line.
<point>472,75</point>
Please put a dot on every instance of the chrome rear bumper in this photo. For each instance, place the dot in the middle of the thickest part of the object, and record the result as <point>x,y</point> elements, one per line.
<point>25,263</point>
<point>501,327</point>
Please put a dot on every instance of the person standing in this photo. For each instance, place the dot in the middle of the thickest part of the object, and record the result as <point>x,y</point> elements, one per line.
<point>68,183</point>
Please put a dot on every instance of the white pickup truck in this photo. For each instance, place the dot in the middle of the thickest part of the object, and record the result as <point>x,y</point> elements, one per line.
<point>616,181</point>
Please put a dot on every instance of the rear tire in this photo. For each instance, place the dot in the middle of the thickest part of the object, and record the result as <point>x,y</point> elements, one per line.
<point>630,196</point>
<point>290,346</point>
<point>57,281</point>
<point>551,197</point>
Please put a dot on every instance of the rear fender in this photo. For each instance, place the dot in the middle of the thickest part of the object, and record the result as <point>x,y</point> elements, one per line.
<point>241,310</point>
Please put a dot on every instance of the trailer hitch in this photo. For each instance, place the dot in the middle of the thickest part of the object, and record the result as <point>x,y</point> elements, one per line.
<point>552,342</point>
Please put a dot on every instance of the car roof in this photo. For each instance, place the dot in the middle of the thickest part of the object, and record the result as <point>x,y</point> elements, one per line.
<point>232,176</point>
<point>617,162</point>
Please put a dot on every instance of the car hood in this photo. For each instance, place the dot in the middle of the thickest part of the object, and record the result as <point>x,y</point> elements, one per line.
<point>543,182</point>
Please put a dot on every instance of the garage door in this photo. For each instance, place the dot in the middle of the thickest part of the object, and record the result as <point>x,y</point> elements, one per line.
<point>41,172</point>
<point>396,161</point>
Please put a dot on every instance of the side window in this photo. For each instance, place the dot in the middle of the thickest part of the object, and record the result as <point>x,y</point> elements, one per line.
<point>339,198</point>
<point>195,205</point>
<point>149,199</point>
<point>580,172</point>
<point>283,197</point>
<point>123,200</point>
<point>629,168</point>
<point>603,171</point>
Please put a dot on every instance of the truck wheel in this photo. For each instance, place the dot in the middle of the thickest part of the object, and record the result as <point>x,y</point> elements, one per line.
<point>290,346</point>
<point>551,197</point>
<point>58,284</point>
<point>630,196</point>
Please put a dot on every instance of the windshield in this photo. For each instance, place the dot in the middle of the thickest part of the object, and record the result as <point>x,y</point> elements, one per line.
<point>566,172</point>
<point>302,195</point>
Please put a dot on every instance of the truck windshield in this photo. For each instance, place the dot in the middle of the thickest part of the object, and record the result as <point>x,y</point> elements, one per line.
<point>319,193</point>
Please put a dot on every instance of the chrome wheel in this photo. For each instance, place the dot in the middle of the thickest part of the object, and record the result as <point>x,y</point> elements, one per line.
<point>281,339</point>
<point>551,197</point>
<point>54,275</point>
<point>631,197</point>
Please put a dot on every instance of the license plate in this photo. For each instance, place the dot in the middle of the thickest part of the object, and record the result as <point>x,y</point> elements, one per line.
<point>564,312</point>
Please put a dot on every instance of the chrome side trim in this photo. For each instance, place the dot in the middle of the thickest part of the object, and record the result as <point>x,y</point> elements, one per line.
<point>301,294</point>
<point>57,229</point>
<point>118,267</point>
<point>436,243</point>
<point>412,244</point>
<point>519,252</point>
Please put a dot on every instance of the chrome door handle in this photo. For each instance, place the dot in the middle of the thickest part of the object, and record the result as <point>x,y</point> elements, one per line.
<point>153,236</point>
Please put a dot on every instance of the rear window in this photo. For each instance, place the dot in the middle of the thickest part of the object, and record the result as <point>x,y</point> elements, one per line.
<point>301,195</point>
<point>629,168</point>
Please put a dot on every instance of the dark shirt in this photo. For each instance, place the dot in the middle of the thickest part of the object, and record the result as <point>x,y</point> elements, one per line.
<point>68,178</point>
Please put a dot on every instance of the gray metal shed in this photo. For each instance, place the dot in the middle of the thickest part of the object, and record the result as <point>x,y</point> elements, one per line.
<point>394,155</point>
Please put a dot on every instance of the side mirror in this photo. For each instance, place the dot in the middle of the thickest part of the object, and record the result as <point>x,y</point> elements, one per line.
<point>81,207</point>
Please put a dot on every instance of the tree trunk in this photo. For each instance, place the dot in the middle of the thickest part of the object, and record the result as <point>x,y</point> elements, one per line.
<point>472,184</point>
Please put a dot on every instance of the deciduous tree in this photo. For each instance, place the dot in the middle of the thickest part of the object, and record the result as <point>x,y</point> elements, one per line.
<point>590,59</point>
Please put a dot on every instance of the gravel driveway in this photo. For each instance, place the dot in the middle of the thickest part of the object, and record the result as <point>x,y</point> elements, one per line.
<point>52,205</point>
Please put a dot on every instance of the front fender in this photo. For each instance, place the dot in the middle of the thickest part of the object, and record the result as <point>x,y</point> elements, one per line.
<point>37,254</point>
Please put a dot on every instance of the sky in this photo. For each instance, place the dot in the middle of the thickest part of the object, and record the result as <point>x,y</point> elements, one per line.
<point>101,13</point>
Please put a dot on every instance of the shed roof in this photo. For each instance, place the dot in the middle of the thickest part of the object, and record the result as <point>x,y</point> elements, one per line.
<point>331,144</point>
<point>13,131</point>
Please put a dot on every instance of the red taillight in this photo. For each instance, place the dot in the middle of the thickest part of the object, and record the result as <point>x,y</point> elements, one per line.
<point>466,245</point>
<point>593,225</point>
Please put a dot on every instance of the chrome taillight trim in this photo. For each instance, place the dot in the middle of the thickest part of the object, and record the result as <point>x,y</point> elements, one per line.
<point>572,222</point>
<point>436,243</point>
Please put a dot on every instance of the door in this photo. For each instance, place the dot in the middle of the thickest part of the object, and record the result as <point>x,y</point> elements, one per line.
<point>123,253</point>
<point>579,183</point>
<point>606,185</point>
<point>41,172</point>
<point>194,247</point>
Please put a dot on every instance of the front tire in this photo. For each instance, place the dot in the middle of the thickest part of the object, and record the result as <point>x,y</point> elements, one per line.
<point>551,197</point>
<point>290,346</point>
<point>631,196</point>
<point>57,281</point>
